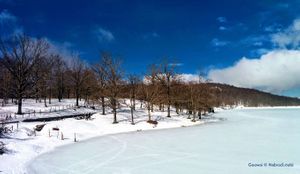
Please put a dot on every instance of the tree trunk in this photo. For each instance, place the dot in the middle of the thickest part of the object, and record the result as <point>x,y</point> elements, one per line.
<point>169,101</point>
<point>59,94</point>
<point>87,98</point>
<point>169,111</point>
<point>45,101</point>
<point>69,93</point>
<point>103,105</point>
<point>114,106</point>
<point>194,116</point>
<point>77,100</point>
<point>115,116</point>
<point>177,110</point>
<point>132,121</point>
<point>19,105</point>
<point>149,113</point>
<point>61,88</point>
<point>50,95</point>
<point>134,104</point>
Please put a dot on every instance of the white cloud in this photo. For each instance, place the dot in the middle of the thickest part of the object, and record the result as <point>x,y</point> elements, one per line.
<point>221,19</point>
<point>275,71</point>
<point>255,40</point>
<point>219,43</point>
<point>222,28</point>
<point>104,35</point>
<point>9,25</point>
<point>259,51</point>
<point>65,49</point>
<point>186,78</point>
<point>5,17</point>
<point>189,77</point>
<point>290,37</point>
<point>273,28</point>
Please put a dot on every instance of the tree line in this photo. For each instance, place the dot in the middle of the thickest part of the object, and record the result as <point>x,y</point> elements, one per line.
<point>28,69</point>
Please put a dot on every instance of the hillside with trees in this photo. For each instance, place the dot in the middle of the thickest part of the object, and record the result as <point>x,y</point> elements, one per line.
<point>231,95</point>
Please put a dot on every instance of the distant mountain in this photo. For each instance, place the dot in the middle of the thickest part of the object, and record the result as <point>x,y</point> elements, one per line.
<point>231,95</point>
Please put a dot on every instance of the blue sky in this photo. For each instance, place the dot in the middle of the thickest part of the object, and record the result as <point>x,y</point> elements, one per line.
<point>210,35</point>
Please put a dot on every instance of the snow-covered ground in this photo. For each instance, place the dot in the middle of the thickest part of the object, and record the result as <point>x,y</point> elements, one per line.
<point>33,109</point>
<point>250,141</point>
<point>24,146</point>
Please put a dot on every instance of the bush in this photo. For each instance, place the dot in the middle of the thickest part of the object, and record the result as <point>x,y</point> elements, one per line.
<point>152,122</point>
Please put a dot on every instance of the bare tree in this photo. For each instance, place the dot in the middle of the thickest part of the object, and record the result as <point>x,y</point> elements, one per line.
<point>90,86</point>
<point>78,75</point>
<point>45,75</point>
<point>59,76</point>
<point>193,100</point>
<point>19,56</point>
<point>166,76</point>
<point>150,92</point>
<point>37,76</point>
<point>113,75</point>
<point>100,72</point>
<point>5,84</point>
<point>201,75</point>
<point>134,82</point>
<point>51,61</point>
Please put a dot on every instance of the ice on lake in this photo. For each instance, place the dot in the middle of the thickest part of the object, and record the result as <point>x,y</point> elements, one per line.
<point>245,138</point>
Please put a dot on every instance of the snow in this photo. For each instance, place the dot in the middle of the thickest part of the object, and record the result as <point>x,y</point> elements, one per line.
<point>33,109</point>
<point>23,146</point>
<point>247,138</point>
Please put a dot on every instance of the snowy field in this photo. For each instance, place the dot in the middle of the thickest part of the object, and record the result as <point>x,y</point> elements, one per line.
<point>249,141</point>
<point>33,109</point>
<point>24,146</point>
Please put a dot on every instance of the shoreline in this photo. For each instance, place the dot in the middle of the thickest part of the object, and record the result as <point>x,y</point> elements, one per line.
<point>41,144</point>
<point>128,132</point>
<point>259,107</point>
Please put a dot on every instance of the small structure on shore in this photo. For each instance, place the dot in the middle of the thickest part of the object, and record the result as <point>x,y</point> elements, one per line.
<point>39,127</point>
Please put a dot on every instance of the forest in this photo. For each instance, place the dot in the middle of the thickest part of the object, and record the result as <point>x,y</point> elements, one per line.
<point>28,69</point>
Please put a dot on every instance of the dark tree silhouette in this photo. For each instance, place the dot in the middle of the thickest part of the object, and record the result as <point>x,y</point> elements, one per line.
<point>19,56</point>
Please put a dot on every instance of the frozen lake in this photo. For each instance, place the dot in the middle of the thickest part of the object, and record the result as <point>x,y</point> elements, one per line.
<point>233,146</point>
